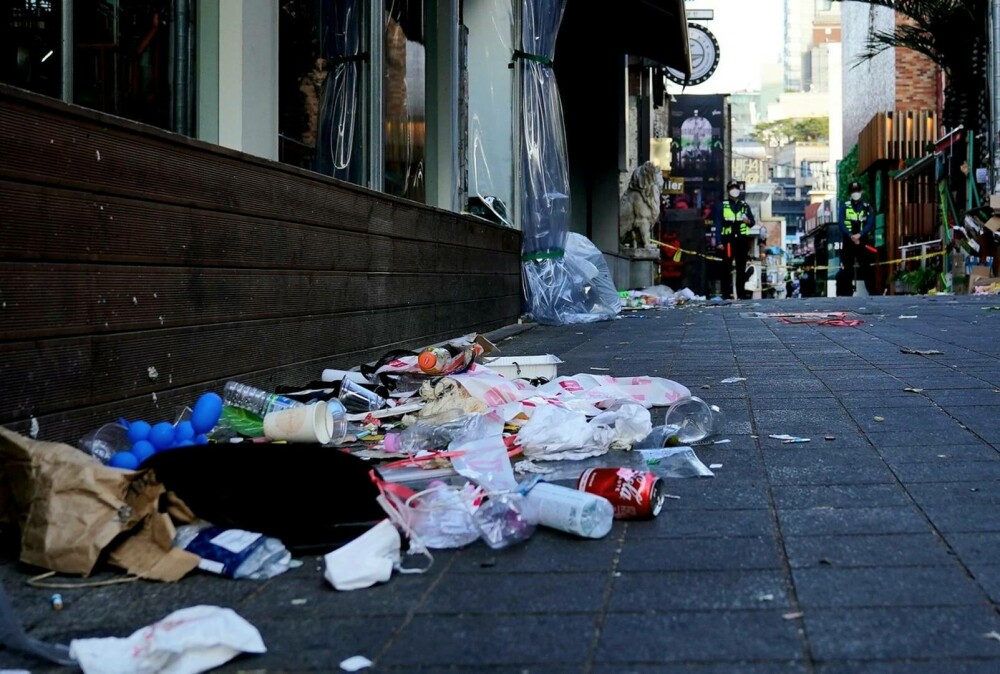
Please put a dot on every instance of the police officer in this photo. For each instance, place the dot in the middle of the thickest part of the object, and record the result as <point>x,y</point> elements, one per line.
<point>733,222</point>
<point>857,220</point>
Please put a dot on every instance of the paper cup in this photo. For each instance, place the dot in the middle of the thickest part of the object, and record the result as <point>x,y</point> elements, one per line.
<point>303,423</point>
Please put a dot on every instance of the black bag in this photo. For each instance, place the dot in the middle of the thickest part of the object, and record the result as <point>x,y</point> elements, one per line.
<point>312,498</point>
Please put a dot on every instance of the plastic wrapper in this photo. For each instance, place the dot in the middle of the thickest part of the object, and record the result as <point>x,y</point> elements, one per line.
<point>506,519</point>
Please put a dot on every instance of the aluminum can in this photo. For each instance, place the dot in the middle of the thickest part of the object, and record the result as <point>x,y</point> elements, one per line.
<point>634,494</point>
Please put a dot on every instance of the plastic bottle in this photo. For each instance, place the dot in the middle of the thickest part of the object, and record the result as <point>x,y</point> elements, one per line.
<point>255,400</point>
<point>421,436</point>
<point>433,360</point>
<point>571,510</point>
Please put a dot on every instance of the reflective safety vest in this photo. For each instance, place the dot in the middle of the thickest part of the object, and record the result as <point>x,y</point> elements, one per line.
<point>731,218</point>
<point>856,219</point>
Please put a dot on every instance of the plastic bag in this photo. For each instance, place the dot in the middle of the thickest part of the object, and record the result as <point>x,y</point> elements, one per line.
<point>505,519</point>
<point>234,553</point>
<point>576,288</point>
<point>441,516</point>
<point>679,462</point>
<point>600,389</point>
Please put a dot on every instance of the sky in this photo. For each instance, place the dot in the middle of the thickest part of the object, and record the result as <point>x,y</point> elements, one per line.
<point>750,33</point>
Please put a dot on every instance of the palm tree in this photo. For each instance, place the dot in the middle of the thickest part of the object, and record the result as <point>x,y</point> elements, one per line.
<point>952,34</point>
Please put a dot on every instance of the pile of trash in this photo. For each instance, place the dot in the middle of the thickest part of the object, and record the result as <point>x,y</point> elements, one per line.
<point>439,448</point>
<point>655,297</point>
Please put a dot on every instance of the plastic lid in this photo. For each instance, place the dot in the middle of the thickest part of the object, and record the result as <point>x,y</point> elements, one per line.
<point>427,360</point>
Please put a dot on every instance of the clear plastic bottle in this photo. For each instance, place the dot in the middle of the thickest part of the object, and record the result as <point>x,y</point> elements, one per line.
<point>421,436</point>
<point>571,510</point>
<point>255,400</point>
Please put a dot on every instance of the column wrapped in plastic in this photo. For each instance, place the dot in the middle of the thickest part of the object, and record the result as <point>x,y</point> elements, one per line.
<point>566,279</point>
<point>339,147</point>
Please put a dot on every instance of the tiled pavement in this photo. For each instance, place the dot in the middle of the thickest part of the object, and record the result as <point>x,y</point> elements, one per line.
<point>875,552</point>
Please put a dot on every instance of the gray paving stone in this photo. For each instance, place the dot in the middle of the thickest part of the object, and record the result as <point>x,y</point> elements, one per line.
<point>938,453</point>
<point>520,593</point>
<point>970,493</point>
<point>978,547</point>
<point>715,495</point>
<point>545,551</point>
<point>872,550</point>
<point>964,518</point>
<point>704,524</point>
<point>839,496</point>
<point>694,636</point>
<point>948,470</point>
<point>988,577</point>
<point>699,554</point>
<point>834,521</point>
<point>698,590</point>
<point>877,587</point>
<point>776,667</point>
<point>903,632</point>
<point>821,452</point>
<point>467,641</point>
<point>949,665</point>
<point>849,473</point>
<point>763,401</point>
<point>954,435</point>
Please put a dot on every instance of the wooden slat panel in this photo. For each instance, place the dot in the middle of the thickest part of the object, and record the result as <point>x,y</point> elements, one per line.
<point>38,223</point>
<point>62,373</point>
<point>52,148</point>
<point>897,135</point>
<point>49,300</point>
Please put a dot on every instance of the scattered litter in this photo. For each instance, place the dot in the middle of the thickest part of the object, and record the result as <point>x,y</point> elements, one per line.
<point>922,352</point>
<point>714,466</point>
<point>879,418</point>
<point>907,316</point>
<point>732,380</point>
<point>488,563</point>
<point>705,386</point>
<point>829,437</point>
<point>673,497</point>
<point>355,663</point>
<point>712,442</point>
<point>299,602</point>
<point>913,390</point>
<point>194,639</point>
<point>792,615</point>
<point>33,431</point>
<point>57,602</point>
<point>601,369</point>
<point>765,597</point>
<point>825,562</point>
<point>153,374</point>
<point>787,439</point>
<point>993,635</point>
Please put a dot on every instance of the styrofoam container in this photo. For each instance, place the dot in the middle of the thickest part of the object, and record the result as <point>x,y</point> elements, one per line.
<point>524,367</point>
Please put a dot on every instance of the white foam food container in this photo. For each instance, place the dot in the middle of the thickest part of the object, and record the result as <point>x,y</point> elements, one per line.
<point>524,367</point>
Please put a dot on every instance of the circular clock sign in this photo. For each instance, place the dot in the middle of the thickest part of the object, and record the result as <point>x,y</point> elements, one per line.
<point>704,56</point>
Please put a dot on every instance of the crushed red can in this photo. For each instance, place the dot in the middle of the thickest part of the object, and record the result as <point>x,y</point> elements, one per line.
<point>634,494</point>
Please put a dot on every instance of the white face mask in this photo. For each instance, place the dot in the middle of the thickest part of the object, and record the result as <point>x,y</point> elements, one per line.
<point>856,196</point>
<point>734,194</point>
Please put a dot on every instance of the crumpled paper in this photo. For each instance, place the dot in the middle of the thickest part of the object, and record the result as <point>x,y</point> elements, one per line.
<point>188,641</point>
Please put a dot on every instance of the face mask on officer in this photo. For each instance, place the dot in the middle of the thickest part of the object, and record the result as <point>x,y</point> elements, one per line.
<point>856,196</point>
<point>734,193</point>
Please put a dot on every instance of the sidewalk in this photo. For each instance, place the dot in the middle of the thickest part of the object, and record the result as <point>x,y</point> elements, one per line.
<point>876,551</point>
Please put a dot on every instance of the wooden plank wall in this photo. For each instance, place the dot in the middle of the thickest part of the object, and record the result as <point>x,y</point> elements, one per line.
<point>139,269</point>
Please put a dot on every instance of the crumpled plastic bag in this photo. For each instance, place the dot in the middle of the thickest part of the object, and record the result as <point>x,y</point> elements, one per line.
<point>576,288</point>
<point>368,559</point>
<point>555,432</point>
<point>188,641</point>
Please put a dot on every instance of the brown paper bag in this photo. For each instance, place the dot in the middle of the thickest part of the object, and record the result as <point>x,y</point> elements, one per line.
<point>70,508</point>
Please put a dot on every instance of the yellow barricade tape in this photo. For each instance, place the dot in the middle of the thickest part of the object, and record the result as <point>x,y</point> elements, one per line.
<point>678,251</point>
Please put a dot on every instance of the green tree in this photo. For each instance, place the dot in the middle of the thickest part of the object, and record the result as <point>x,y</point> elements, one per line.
<point>952,34</point>
<point>797,129</point>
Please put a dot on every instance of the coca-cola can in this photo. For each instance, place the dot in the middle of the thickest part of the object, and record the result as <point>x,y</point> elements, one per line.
<point>634,494</point>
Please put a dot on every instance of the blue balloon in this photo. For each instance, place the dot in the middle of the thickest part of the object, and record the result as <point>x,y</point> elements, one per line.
<point>143,450</point>
<point>126,460</point>
<point>184,443</point>
<point>206,412</point>
<point>183,431</point>
<point>201,440</point>
<point>138,430</point>
<point>162,435</point>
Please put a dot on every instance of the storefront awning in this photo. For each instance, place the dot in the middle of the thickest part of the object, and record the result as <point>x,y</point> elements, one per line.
<point>656,30</point>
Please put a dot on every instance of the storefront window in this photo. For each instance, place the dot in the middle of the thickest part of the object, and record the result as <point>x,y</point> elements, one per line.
<point>31,46</point>
<point>320,99</point>
<point>404,81</point>
<point>130,58</point>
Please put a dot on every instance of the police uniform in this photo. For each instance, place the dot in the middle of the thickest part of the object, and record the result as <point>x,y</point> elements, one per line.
<point>733,234</point>
<point>857,217</point>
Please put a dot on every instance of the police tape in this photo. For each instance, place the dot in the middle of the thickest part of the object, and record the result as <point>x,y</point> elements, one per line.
<point>678,252</point>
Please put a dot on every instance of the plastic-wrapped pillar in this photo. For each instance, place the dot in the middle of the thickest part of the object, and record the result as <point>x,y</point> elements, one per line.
<point>562,285</point>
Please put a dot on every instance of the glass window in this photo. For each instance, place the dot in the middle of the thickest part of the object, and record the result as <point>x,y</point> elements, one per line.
<point>31,46</point>
<point>321,103</point>
<point>403,82</point>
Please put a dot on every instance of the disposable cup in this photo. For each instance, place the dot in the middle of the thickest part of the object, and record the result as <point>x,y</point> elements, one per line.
<point>303,423</point>
<point>357,398</point>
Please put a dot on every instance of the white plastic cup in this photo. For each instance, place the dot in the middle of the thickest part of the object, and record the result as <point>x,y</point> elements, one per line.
<point>339,375</point>
<point>303,423</point>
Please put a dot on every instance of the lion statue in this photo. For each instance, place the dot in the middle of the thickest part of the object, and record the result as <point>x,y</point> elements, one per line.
<point>639,208</point>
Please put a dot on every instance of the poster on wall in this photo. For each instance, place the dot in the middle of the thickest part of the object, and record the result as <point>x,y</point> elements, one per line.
<point>697,133</point>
